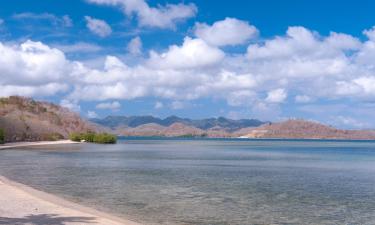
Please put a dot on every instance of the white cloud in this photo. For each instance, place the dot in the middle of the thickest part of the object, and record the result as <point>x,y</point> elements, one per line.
<point>346,121</point>
<point>67,21</point>
<point>303,99</point>
<point>109,105</point>
<point>158,105</point>
<point>135,46</point>
<point>78,47</point>
<point>276,96</point>
<point>98,27</point>
<point>301,63</point>
<point>32,63</point>
<point>230,31</point>
<point>71,105</point>
<point>160,16</point>
<point>193,53</point>
<point>64,21</point>
<point>92,114</point>
<point>176,105</point>
<point>33,90</point>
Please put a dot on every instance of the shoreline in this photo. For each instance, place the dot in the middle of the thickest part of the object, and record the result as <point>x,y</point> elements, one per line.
<point>35,143</point>
<point>23,204</point>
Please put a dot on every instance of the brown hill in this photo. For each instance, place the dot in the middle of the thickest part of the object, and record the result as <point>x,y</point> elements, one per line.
<point>24,119</point>
<point>301,129</point>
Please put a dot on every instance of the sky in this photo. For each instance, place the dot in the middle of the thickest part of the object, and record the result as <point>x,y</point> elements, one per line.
<point>269,60</point>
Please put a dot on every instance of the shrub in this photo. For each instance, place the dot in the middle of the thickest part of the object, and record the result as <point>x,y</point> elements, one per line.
<point>2,136</point>
<point>75,136</point>
<point>52,137</point>
<point>105,138</point>
<point>101,138</point>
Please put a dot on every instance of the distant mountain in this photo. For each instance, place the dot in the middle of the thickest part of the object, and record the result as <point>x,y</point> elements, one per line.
<point>229,125</point>
<point>302,129</point>
<point>24,119</point>
<point>178,130</point>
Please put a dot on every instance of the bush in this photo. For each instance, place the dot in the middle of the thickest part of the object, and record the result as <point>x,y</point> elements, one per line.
<point>101,138</point>
<point>2,136</point>
<point>89,136</point>
<point>75,136</point>
<point>105,138</point>
<point>52,137</point>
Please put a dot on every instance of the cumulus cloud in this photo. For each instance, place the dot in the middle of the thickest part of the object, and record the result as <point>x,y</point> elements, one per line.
<point>160,16</point>
<point>98,27</point>
<point>193,53</point>
<point>300,66</point>
<point>229,31</point>
<point>135,46</point>
<point>32,90</point>
<point>276,96</point>
<point>71,105</point>
<point>109,105</point>
<point>32,63</point>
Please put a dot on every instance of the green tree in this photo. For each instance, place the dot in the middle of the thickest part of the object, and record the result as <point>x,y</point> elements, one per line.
<point>2,136</point>
<point>75,136</point>
<point>101,138</point>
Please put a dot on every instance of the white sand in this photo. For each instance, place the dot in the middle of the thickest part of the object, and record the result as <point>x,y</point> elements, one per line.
<point>20,204</point>
<point>35,143</point>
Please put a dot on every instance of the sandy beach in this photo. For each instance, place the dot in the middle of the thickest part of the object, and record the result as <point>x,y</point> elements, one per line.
<point>20,204</point>
<point>35,143</point>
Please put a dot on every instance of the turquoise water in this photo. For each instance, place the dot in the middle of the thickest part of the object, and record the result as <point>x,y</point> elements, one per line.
<point>197,181</point>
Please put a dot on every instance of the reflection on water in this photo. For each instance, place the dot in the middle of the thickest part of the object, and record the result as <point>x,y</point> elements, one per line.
<point>209,181</point>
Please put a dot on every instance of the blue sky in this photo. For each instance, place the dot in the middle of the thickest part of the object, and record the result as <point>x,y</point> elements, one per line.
<point>270,60</point>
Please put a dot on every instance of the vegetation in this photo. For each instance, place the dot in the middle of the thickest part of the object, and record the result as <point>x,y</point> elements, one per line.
<point>52,137</point>
<point>101,138</point>
<point>193,135</point>
<point>2,136</point>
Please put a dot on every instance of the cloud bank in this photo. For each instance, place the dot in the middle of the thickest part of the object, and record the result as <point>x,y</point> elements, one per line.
<point>299,67</point>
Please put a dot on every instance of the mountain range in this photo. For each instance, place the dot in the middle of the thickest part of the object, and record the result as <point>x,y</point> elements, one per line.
<point>24,119</point>
<point>229,125</point>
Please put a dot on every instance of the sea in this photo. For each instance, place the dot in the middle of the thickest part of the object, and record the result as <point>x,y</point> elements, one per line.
<point>208,181</point>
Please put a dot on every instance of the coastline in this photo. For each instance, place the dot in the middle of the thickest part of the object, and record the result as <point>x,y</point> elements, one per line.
<point>35,143</point>
<point>21,204</point>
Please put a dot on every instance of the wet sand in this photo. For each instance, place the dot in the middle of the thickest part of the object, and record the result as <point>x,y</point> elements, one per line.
<point>35,143</point>
<point>20,204</point>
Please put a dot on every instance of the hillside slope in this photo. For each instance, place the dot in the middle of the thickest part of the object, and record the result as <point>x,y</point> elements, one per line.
<point>301,129</point>
<point>24,119</point>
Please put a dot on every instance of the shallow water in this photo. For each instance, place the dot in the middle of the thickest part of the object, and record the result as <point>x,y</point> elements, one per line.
<point>180,181</point>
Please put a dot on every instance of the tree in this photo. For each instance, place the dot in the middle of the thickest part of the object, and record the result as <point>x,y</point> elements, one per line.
<point>101,138</point>
<point>75,136</point>
<point>2,136</point>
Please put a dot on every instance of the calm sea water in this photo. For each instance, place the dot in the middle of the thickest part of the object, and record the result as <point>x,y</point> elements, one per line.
<point>171,181</point>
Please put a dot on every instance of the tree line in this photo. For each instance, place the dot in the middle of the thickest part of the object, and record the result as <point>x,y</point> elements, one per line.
<point>101,138</point>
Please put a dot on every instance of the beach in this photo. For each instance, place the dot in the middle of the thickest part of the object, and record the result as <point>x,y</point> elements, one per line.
<point>21,204</point>
<point>35,143</point>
